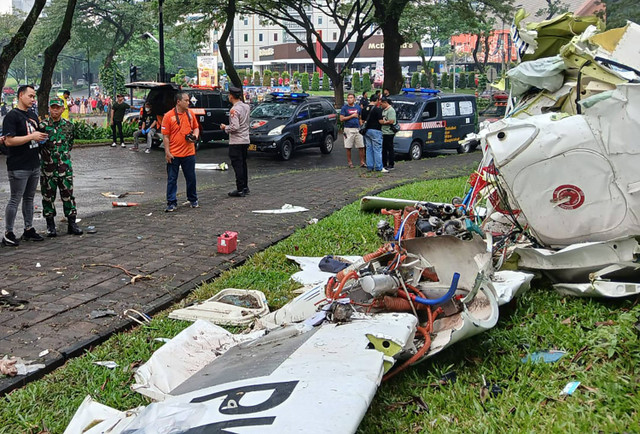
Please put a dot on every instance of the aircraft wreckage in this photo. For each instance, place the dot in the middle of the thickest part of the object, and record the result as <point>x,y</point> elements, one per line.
<point>558,186</point>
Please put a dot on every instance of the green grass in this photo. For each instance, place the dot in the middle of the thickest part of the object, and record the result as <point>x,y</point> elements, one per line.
<point>605,358</point>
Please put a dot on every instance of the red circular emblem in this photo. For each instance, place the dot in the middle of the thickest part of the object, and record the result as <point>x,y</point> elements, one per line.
<point>568,196</point>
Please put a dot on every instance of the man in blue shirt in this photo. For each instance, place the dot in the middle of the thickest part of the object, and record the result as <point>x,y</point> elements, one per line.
<point>350,117</point>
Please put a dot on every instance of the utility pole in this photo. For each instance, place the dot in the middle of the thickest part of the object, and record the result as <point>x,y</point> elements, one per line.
<point>161,41</point>
<point>454,68</point>
<point>26,81</point>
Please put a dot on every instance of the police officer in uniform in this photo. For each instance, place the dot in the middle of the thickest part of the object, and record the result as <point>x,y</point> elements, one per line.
<point>55,169</point>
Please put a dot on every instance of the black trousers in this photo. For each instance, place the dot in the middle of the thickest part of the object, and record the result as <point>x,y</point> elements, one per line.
<point>238,156</point>
<point>117,124</point>
<point>387,150</point>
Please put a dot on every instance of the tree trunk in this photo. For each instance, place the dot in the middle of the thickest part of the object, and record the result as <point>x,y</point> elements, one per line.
<point>479,65</point>
<point>338,86</point>
<point>222,45</point>
<point>393,79</point>
<point>11,50</point>
<point>51,57</point>
<point>388,15</point>
<point>426,64</point>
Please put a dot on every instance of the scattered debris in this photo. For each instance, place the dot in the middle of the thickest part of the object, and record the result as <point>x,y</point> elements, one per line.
<point>91,230</point>
<point>212,166</point>
<point>570,388</point>
<point>121,195</point>
<point>313,221</point>
<point>140,317</point>
<point>134,277</point>
<point>101,313</point>
<point>8,367</point>
<point>286,209</point>
<point>228,307</point>
<point>38,265</point>
<point>550,356</point>
<point>149,215</point>
<point>107,364</point>
<point>43,353</point>
<point>164,340</point>
<point>124,204</point>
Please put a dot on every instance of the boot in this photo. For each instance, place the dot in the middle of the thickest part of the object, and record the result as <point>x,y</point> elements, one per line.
<point>73,228</point>
<point>51,227</point>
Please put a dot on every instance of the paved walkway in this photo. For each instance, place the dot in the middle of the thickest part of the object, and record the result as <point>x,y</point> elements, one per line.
<point>178,250</point>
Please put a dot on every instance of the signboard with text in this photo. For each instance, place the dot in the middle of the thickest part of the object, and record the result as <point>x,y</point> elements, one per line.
<point>208,70</point>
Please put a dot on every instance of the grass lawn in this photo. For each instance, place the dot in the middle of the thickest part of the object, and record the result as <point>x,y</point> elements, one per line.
<point>599,336</point>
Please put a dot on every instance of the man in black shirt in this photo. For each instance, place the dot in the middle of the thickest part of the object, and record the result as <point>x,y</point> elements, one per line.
<point>372,117</point>
<point>147,127</point>
<point>23,164</point>
<point>117,115</point>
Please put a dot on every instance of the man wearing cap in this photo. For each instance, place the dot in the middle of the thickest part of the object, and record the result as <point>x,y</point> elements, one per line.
<point>55,169</point>
<point>238,130</point>
<point>118,110</point>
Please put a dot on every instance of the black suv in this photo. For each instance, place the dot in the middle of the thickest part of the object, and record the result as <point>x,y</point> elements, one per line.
<point>289,121</point>
<point>211,107</point>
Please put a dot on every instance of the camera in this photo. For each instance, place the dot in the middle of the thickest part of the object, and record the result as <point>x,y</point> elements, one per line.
<point>191,138</point>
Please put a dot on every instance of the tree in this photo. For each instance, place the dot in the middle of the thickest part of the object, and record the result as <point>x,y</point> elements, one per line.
<point>353,19</point>
<point>51,57</point>
<point>315,81</point>
<point>256,78</point>
<point>266,77</point>
<point>554,7</point>
<point>18,41</point>
<point>305,81</point>
<point>462,84</point>
<point>112,79</point>
<point>194,20</point>
<point>325,84</point>
<point>356,84</point>
<point>617,12</point>
<point>415,79</point>
<point>296,76</point>
<point>445,81</point>
<point>387,14</point>
<point>366,82</point>
<point>424,79</point>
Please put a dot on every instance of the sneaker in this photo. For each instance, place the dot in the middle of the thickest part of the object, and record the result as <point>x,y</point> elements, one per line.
<point>31,234</point>
<point>246,191</point>
<point>122,145</point>
<point>10,239</point>
<point>147,151</point>
<point>390,168</point>
<point>236,193</point>
<point>384,170</point>
<point>195,204</point>
<point>170,208</point>
<point>113,145</point>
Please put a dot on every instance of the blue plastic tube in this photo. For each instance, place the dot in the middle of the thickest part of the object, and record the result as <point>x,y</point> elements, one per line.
<point>447,296</point>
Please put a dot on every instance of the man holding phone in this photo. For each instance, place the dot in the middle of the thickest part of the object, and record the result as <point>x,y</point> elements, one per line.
<point>22,138</point>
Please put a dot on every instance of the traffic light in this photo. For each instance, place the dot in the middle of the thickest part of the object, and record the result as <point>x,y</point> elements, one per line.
<point>133,73</point>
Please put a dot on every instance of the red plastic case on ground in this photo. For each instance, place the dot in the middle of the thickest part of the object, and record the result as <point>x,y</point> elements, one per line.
<point>227,242</point>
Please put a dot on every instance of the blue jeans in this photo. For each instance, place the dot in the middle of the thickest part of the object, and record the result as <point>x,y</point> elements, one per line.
<point>23,184</point>
<point>373,143</point>
<point>188,165</point>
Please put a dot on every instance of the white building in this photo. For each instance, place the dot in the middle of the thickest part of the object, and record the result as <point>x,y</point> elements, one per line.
<point>12,6</point>
<point>260,46</point>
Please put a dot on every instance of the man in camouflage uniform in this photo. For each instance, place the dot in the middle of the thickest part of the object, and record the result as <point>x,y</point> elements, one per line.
<point>55,168</point>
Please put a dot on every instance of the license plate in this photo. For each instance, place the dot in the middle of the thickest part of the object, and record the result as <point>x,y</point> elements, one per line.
<point>253,148</point>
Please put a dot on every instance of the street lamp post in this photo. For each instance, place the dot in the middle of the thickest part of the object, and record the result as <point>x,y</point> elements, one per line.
<point>88,69</point>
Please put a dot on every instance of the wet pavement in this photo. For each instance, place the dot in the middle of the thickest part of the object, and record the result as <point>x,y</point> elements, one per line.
<point>64,279</point>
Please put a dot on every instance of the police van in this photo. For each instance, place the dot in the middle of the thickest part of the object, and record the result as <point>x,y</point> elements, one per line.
<point>210,105</point>
<point>287,121</point>
<point>431,121</point>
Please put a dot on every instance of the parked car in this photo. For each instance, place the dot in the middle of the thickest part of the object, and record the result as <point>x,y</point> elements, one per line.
<point>211,107</point>
<point>432,121</point>
<point>290,121</point>
<point>81,82</point>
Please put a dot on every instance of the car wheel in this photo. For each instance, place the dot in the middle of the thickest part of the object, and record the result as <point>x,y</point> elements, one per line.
<point>327,144</point>
<point>415,150</point>
<point>468,146</point>
<point>286,150</point>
